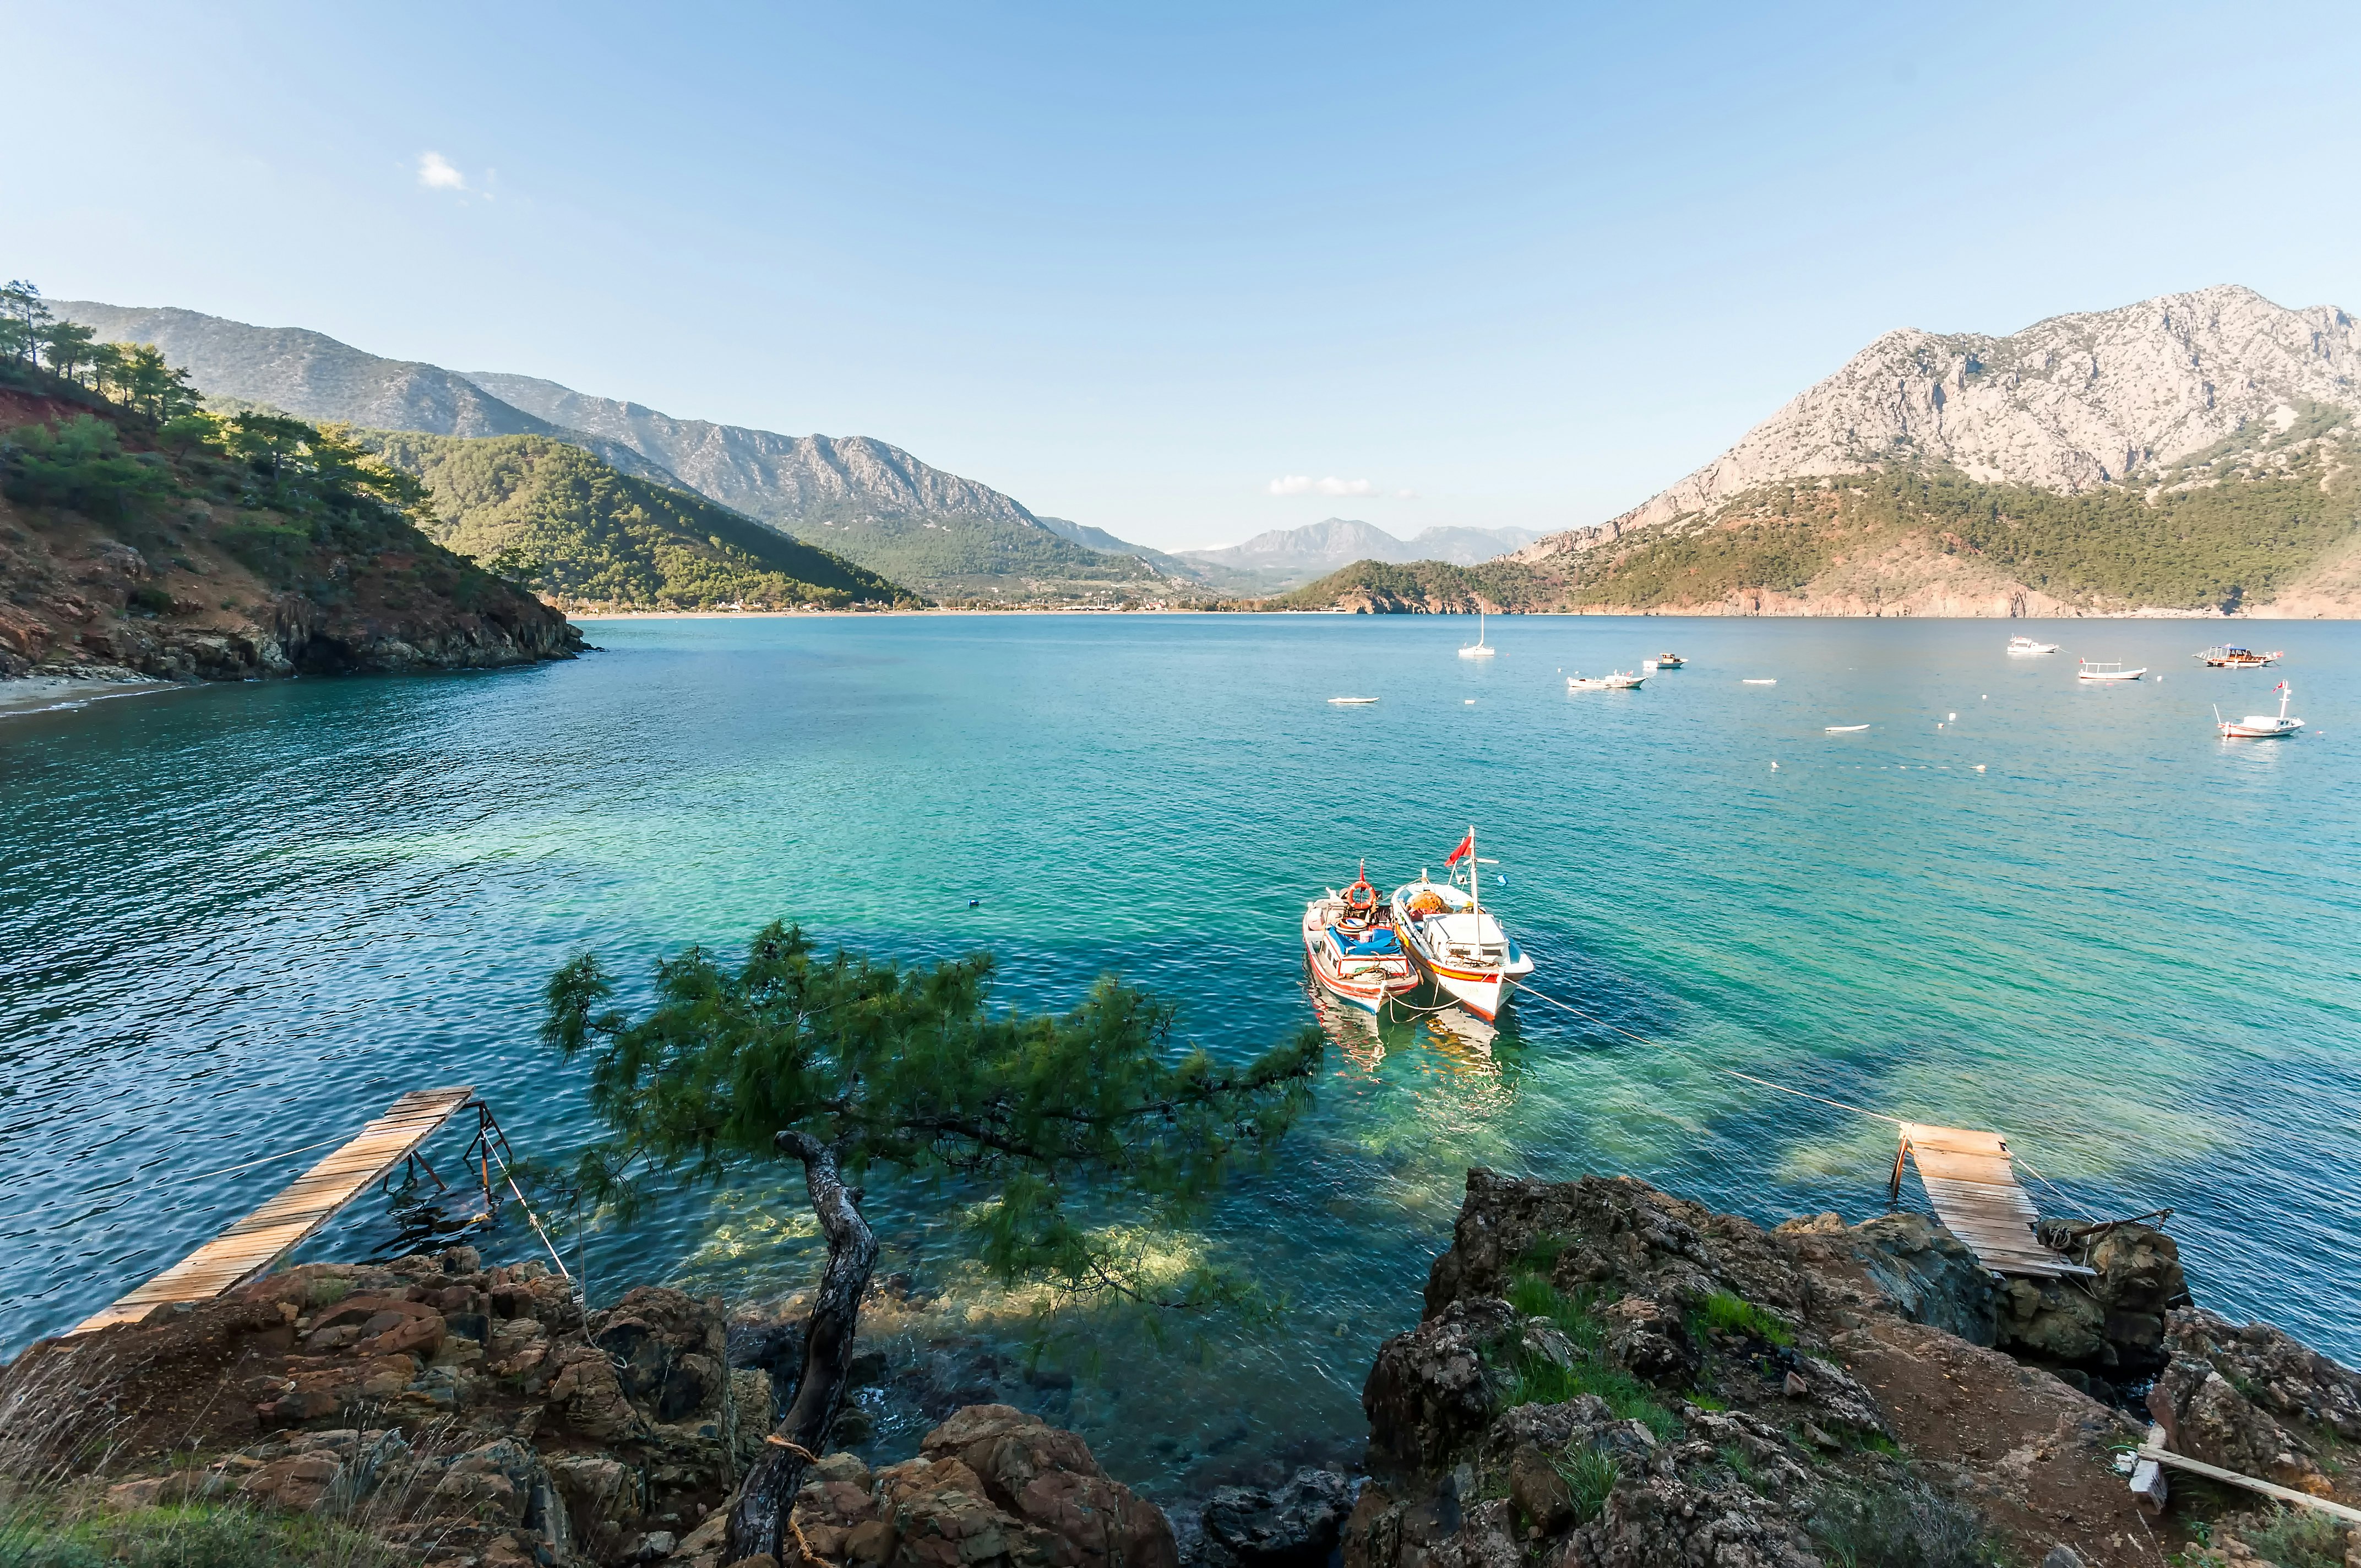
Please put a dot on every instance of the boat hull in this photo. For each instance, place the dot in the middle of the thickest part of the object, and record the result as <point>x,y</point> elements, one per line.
<point>1365,984</point>
<point>1480,989</point>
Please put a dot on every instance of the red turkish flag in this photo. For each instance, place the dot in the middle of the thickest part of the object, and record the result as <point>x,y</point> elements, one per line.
<point>1466,847</point>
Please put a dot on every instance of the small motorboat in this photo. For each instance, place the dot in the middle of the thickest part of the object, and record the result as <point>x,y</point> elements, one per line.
<point>1617,681</point>
<point>1454,941</point>
<point>2261,726</point>
<point>1480,649</point>
<point>1351,701</point>
<point>2090,672</point>
<point>1669,661</point>
<point>1350,943</point>
<point>1759,681</point>
<point>2234,658</point>
<point>2027,645</point>
<point>1842,729</point>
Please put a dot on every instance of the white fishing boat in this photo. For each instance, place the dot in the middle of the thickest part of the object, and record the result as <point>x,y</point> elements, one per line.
<point>1454,941</point>
<point>1613,682</point>
<point>1624,681</point>
<point>2236,658</point>
<point>2261,726</point>
<point>1843,729</point>
<point>2090,672</point>
<point>1351,701</point>
<point>1480,649</point>
<point>2027,645</point>
<point>1350,943</point>
<point>1759,681</point>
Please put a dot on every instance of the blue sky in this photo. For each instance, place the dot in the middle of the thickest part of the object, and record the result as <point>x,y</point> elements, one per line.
<point>1133,264</point>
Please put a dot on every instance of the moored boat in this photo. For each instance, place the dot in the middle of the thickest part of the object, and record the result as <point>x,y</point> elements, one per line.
<point>2027,645</point>
<point>1613,682</point>
<point>1669,661</point>
<point>1456,942</point>
<point>1354,953</point>
<point>2261,726</point>
<point>2236,658</point>
<point>2090,672</point>
<point>1480,649</point>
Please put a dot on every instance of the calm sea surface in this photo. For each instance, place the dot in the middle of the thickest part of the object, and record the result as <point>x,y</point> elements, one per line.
<point>238,919</point>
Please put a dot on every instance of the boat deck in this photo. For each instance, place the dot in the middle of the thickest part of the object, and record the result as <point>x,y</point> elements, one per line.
<point>1970,1178</point>
<point>251,1247</point>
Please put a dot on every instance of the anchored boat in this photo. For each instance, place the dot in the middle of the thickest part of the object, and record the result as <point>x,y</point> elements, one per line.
<point>2234,658</point>
<point>2090,672</point>
<point>1617,681</point>
<point>1350,942</point>
<point>2027,645</point>
<point>2261,726</point>
<point>1480,649</point>
<point>1455,943</point>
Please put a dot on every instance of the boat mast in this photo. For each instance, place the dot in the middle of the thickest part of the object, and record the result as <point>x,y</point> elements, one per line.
<point>1476,883</point>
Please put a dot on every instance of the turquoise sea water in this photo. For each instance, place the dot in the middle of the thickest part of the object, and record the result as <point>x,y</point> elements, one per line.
<point>238,919</point>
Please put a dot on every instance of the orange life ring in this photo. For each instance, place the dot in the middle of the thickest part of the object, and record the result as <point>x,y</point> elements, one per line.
<point>1361,898</point>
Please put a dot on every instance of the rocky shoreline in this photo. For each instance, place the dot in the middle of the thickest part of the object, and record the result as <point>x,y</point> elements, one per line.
<point>1603,1376</point>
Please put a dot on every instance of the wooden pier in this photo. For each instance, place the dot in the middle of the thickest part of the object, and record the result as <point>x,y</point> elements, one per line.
<point>252,1245</point>
<point>1972,1182</point>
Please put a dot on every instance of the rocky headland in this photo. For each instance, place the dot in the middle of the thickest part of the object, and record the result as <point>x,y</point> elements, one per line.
<point>1604,1375</point>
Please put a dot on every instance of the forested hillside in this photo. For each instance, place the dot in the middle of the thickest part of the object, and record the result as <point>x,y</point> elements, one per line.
<point>140,536</point>
<point>550,514</point>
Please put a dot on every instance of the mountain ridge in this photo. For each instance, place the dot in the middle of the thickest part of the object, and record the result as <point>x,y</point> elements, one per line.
<point>1281,559</point>
<point>2071,402</point>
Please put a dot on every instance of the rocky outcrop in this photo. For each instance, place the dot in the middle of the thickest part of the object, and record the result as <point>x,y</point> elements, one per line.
<point>1699,1390</point>
<point>991,1487</point>
<point>475,1414</point>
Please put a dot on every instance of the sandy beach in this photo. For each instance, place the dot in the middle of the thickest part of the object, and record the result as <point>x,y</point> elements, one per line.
<point>43,693</point>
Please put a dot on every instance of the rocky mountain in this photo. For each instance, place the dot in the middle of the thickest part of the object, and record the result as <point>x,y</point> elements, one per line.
<point>313,376</point>
<point>1099,539</point>
<point>590,538</point>
<point>1285,558</point>
<point>2068,405</point>
<point>873,503</point>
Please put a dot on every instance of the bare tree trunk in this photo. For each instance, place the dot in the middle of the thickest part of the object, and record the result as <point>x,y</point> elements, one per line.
<point>759,1521</point>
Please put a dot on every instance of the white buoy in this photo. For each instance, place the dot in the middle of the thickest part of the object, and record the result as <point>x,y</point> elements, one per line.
<point>1980,767</point>
<point>1774,767</point>
<point>1955,718</point>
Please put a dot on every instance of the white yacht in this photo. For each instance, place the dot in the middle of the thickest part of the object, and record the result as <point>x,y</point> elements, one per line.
<point>2027,645</point>
<point>1480,649</point>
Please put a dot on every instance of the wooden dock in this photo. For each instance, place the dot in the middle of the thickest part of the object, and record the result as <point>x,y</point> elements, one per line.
<point>253,1245</point>
<point>1972,1182</point>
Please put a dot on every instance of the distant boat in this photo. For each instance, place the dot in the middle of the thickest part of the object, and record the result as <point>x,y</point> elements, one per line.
<point>2261,726</point>
<point>1478,649</point>
<point>1352,701</point>
<point>1843,729</point>
<point>1578,681</point>
<point>1669,661</point>
<point>2027,645</point>
<point>2238,658</point>
<point>1624,680</point>
<point>1751,681</point>
<point>2090,672</point>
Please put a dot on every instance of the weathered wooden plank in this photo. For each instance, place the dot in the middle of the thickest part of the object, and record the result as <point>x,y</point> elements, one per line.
<point>1970,1178</point>
<point>254,1244</point>
<point>2154,1450</point>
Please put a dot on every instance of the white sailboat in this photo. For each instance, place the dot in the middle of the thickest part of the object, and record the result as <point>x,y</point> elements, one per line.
<point>1455,942</point>
<point>1480,649</point>
<point>2261,726</point>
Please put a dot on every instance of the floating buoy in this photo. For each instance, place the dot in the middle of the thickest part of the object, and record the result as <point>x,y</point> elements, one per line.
<point>1954,718</point>
<point>1980,767</point>
<point>974,902</point>
<point>1774,767</point>
<point>1467,702</point>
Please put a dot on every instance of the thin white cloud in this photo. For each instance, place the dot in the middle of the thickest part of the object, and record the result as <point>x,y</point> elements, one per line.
<point>1305,485</point>
<point>435,172</point>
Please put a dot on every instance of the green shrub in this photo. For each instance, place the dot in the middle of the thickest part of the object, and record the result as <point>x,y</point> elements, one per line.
<point>1532,1379</point>
<point>1906,1525</point>
<point>1727,1312</point>
<point>81,465</point>
<point>1589,1473</point>
<point>195,1536</point>
<point>2294,1538</point>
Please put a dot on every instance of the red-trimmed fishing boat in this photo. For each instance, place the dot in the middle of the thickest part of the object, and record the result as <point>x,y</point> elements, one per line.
<point>1354,950</point>
<point>1456,942</point>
